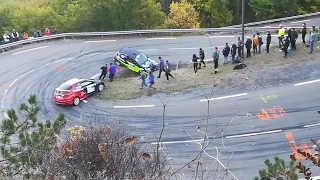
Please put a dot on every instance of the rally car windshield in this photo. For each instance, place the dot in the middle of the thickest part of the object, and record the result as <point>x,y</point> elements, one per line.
<point>142,59</point>
<point>65,87</point>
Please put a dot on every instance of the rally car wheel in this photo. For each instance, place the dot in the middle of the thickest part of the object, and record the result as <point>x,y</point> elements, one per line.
<point>100,87</point>
<point>76,101</point>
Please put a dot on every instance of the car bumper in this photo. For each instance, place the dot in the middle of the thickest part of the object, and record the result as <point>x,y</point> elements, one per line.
<point>62,101</point>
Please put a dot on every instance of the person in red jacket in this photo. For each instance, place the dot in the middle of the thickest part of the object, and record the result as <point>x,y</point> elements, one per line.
<point>47,32</point>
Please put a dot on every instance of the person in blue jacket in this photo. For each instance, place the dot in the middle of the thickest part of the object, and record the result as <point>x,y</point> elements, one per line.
<point>161,66</point>
<point>112,71</point>
<point>151,80</point>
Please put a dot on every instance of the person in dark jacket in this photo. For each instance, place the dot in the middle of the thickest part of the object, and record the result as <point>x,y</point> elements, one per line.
<point>233,52</point>
<point>289,29</point>
<point>248,46</point>
<point>285,46</point>
<point>293,39</point>
<point>161,67</point>
<point>260,42</point>
<point>202,56</point>
<point>240,45</point>
<point>112,71</point>
<point>104,70</point>
<point>304,32</point>
<point>195,63</point>
<point>167,69</point>
<point>225,52</point>
<point>215,56</point>
<point>268,41</point>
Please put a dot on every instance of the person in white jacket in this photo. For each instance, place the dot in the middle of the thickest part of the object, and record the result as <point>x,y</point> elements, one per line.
<point>6,38</point>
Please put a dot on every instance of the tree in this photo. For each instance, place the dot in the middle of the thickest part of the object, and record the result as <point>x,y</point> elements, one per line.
<point>103,152</point>
<point>213,13</point>
<point>150,15</point>
<point>278,169</point>
<point>270,9</point>
<point>182,15</point>
<point>26,142</point>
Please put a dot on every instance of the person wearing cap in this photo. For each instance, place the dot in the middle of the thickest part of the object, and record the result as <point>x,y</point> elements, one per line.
<point>248,46</point>
<point>202,56</point>
<point>215,56</point>
<point>268,41</point>
<point>304,32</point>
<point>281,33</point>
<point>233,52</point>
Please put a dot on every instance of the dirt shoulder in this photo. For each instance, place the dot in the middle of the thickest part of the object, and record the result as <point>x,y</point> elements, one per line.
<point>126,85</point>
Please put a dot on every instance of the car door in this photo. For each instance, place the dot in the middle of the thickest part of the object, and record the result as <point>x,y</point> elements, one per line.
<point>89,87</point>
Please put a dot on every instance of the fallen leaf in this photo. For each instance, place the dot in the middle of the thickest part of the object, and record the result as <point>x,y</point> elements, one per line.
<point>102,151</point>
<point>145,156</point>
<point>130,140</point>
<point>105,130</point>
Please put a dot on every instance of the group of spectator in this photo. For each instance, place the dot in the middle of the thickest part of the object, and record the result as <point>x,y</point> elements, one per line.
<point>14,36</point>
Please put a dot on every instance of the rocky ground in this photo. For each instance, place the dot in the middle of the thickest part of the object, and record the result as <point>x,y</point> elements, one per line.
<point>263,70</point>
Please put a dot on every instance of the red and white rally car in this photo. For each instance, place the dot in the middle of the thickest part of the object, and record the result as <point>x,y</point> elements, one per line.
<point>76,90</point>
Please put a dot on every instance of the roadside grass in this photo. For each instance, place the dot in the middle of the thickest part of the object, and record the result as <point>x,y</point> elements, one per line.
<point>126,83</point>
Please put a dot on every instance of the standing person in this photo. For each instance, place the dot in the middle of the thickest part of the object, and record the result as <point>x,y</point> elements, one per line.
<point>195,63</point>
<point>248,46</point>
<point>255,44</point>
<point>225,52</point>
<point>240,45</point>
<point>268,41</point>
<point>281,32</point>
<point>312,38</point>
<point>233,52</point>
<point>293,38</point>
<point>168,70</point>
<point>161,66</point>
<point>6,38</point>
<point>285,46</point>
<point>151,80</point>
<point>318,33</point>
<point>202,56</point>
<point>112,71</point>
<point>215,56</point>
<point>15,35</point>
<point>260,42</point>
<point>304,32</point>
<point>104,71</point>
<point>143,77</point>
<point>289,33</point>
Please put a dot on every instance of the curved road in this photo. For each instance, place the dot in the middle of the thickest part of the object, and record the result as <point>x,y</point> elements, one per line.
<point>40,68</point>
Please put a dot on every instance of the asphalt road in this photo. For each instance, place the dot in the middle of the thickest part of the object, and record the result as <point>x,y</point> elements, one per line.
<point>43,67</point>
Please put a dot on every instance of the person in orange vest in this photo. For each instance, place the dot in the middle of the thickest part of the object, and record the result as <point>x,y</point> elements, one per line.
<point>255,43</point>
<point>25,36</point>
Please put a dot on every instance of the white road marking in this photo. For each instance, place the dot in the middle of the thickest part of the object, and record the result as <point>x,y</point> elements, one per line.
<point>46,64</point>
<point>101,41</point>
<point>301,21</point>
<point>142,106</point>
<point>178,142</point>
<point>14,82</point>
<point>62,60</point>
<point>6,115</point>
<point>311,125</point>
<point>183,48</point>
<point>308,82</point>
<point>85,101</point>
<point>150,39</point>
<point>145,50</point>
<point>93,77</point>
<point>30,50</point>
<point>220,37</point>
<point>253,134</point>
<point>215,47</point>
<point>224,97</point>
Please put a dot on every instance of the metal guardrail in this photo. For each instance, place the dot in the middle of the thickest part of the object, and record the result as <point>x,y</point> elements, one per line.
<point>278,20</point>
<point>114,33</point>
